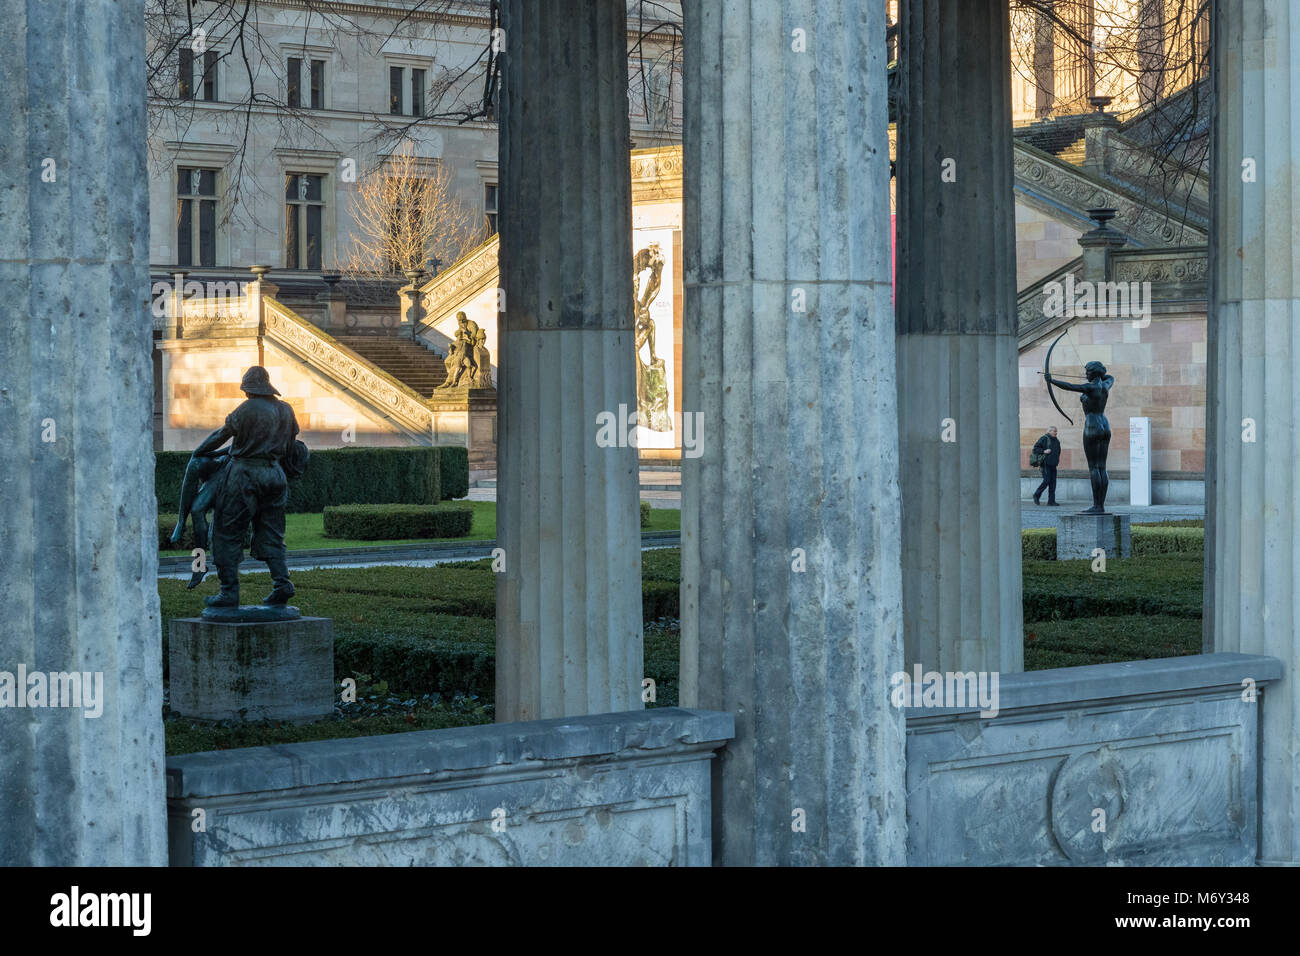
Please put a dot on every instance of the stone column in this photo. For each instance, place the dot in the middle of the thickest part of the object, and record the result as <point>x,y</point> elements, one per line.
<point>78,579</point>
<point>569,599</point>
<point>958,392</point>
<point>1253,398</point>
<point>790,531</point>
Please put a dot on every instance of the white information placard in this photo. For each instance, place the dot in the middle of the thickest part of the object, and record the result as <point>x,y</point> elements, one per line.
<point>1139,462</point>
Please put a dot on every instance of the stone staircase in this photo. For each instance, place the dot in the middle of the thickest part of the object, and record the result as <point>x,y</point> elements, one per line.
<point>413,365</point>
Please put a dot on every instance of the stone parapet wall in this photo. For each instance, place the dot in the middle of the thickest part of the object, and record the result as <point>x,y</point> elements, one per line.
<point>1166,750</point>
<point>603,790</point>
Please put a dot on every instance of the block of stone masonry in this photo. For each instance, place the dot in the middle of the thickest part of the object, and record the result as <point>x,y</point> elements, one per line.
<point>1080,535</point>
<point>252,670</point>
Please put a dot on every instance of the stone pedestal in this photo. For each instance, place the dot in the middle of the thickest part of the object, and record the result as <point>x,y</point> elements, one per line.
<point>791,584</point>
<point>958,353</point>
<point>265,670</point>
<point>1078,536</point>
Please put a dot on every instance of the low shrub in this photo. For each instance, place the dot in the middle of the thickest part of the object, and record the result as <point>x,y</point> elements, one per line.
<point>370,522</point>
<point>1168,539</point>
<point>645,514</point>
<point>1038,544</point>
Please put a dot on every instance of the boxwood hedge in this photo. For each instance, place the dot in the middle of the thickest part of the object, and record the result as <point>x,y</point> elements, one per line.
<point>449,519</point>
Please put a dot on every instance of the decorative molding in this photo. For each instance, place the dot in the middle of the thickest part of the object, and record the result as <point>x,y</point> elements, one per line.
<point>1182,267</point>
<point>377,388</point>
<point>1074,189</point>
<point>466,277</point>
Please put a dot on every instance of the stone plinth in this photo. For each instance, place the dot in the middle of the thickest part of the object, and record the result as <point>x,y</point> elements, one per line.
<point>241,670</point>
<point>1079,535</point>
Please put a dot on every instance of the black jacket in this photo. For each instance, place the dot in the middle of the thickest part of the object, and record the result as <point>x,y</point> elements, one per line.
<point>1051,447</point>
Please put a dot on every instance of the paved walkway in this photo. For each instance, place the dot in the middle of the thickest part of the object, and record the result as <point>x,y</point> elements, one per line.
<point>397,555</point>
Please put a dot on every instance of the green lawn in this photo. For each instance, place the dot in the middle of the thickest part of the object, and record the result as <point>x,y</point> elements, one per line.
<point>421,641</point>
<point>303,532</point>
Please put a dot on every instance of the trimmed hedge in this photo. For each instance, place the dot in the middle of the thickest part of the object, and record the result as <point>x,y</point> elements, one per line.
<point>388,522</point>
<point>645,514</point>
<point>335,476</point>
<point>1106,639</point>
<point>1061,590</point>
<point>1167,540</point>
<point>455,471</point>
<point>1039,544</point>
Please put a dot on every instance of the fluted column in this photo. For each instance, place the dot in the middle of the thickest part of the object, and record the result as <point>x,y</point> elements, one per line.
<point>790,565</point>
<point>1253,398</point>
<point>78,542</point>
<point>569,600</point>
<point>958,376</point>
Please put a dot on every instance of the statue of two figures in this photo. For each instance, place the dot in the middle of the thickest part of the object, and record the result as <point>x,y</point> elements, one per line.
<point>468,362</point>
<point>651,375</point>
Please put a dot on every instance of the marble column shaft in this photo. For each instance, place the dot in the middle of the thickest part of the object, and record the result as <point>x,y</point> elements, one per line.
<point>78,579</point>
<point>958,357</point>
<point>791,589</point>
<point>1253,399</point>
<point>569,637</point>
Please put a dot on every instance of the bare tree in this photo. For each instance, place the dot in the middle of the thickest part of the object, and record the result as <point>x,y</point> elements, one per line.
<point>406,213</point>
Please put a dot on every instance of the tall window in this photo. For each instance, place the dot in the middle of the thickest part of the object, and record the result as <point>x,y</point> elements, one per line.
<point>318,84</point>
<point>406,98</point>
<point>293,93</point>
<point>490,206</point>
<point>303,215</point>
<point>196,216</point>
<point>395,89</point>
<point>315,98</point>
<point>206,86</point>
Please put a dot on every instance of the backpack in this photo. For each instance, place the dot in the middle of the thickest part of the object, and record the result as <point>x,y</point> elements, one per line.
<point>1036,459</point>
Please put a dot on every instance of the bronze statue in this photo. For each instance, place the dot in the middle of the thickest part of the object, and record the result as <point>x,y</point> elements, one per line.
<point>250,488</point>
<point>198,490</point>
<point>1094,393</point>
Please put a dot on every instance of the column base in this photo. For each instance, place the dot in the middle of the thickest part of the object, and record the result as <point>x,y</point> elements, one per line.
<point>252,670</point>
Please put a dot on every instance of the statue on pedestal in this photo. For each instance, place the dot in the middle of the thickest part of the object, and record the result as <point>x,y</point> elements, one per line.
<point>1094,393</point>
<point>247,487</point>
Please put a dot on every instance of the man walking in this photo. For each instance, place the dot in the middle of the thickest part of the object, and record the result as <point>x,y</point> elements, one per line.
<point>1047,452</point>
<point>252,488</point>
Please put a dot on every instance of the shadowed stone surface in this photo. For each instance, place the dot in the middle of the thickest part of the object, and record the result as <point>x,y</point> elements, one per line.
<point>569,637</point>
<point>1252,542</point>
<point>271,670</point>
<point>626,789</point>
<point>790,563</point>
<point>958,354</point>
<point>78,580</point>
<point>1166,749</point>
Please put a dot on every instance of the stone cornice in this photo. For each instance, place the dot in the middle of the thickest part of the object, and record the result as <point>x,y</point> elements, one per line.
<point>325,355</point>
<point>1072,188</point>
